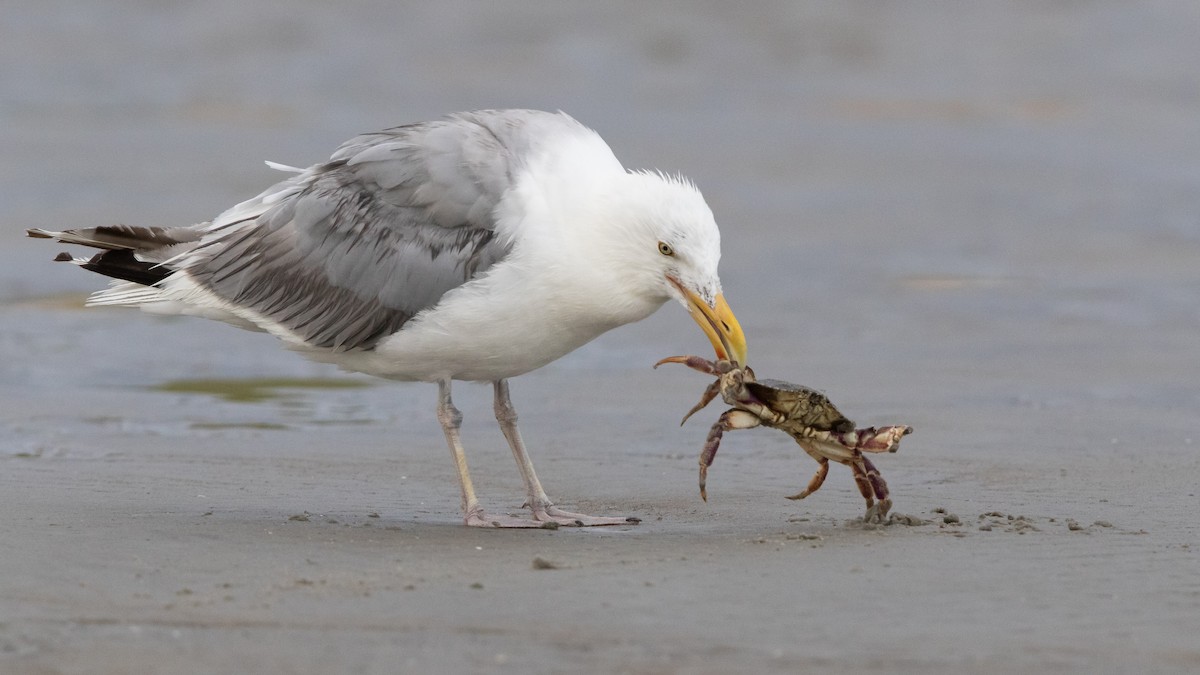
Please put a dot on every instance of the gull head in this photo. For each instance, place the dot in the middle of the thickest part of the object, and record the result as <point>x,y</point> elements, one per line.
<point>664,241</point>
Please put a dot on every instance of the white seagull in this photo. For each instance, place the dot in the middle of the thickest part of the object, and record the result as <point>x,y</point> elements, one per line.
<point>476,247</point>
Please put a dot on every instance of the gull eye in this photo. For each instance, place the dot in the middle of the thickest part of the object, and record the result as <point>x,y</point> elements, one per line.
<point>665,249</point>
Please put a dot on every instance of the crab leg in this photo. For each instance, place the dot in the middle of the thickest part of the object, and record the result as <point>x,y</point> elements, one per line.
<point>728,421</point>
<point>870,483</point>
<point>878,485</point>
<point>846,448</point>
<point>705,366</point>
<point>709,395</point>
<point>864,485</point>
<point>817,481</point>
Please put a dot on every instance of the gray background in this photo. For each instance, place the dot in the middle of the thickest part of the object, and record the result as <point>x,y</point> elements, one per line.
<point>979,219</point>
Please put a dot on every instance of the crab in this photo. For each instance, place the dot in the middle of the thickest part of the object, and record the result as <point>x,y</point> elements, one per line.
<point>806,415</point>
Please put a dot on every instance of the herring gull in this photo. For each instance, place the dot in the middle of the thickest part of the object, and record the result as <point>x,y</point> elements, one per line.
<point>475,247</point>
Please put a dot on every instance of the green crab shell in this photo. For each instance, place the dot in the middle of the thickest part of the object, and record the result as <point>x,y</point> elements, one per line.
<point>808,407</point>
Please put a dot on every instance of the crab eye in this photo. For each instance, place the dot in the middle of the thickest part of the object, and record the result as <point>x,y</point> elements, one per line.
<point>665,249</point>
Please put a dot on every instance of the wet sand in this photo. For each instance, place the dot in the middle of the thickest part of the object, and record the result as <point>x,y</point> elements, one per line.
<point>982,223</point>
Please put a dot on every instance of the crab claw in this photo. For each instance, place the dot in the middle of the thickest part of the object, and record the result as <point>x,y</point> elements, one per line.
<point>671,359</point>
<point>694,362</point>
<point>881,439</point>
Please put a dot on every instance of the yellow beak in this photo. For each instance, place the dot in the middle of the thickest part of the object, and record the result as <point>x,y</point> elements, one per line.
<point>720,325</point>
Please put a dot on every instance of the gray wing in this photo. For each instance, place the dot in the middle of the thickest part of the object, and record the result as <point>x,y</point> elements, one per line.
<point>347,252</point>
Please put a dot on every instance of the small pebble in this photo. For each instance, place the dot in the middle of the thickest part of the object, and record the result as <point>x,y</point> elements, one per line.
<point>1073,525</point>
<point>951,519</point>
<point>1102,523</point>
<point>986,528</point>
<point>543,564</point>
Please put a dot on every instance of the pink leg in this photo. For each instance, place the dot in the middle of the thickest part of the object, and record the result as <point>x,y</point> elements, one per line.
<point>473,513</point>
<point>544,511</point>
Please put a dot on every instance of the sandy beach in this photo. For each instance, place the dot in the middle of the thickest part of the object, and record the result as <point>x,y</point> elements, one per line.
<point>983,222</point>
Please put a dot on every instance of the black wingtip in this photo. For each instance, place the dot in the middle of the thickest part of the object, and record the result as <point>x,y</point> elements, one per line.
<point>123,264</point>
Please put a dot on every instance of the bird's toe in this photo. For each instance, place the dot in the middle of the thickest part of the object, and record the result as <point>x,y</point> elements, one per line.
<point>481,518</point>
<point>570,519</point>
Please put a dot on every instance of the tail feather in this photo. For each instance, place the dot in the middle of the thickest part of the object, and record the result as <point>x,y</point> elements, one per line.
<point>122,237</point>
<point>125,293</point>
<point>130,253</point>
<point>142,262</point>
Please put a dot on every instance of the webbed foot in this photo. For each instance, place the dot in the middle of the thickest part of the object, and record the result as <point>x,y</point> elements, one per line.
<point>546,517</point>
<point>477,517</point>
<point>553,514</point>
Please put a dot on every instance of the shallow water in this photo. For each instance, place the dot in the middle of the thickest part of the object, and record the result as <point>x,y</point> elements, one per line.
<point>980,220</point>
<point>254,389</point>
